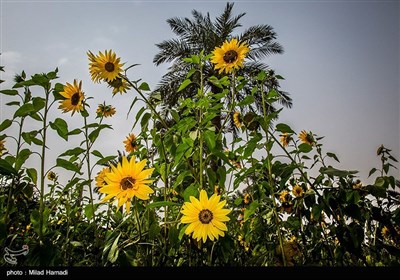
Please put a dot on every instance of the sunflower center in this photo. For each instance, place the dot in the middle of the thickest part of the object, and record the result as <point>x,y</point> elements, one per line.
<point>230,56</point>
<point>75,98</point>
<point>109,66</point>
<point>128,183</point>
<point>205,216</point>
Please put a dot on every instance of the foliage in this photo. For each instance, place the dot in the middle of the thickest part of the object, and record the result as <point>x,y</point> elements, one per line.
<point>289,205</point>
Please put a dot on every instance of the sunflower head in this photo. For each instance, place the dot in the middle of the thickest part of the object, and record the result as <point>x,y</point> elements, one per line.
<point>229,56</point>
<point>52,176</point>
<point>73,98</point>
<point>131,143</point>
<point>247,198</point>
<point>205,216</point>
<point>237,119</point>
<point>298,191</point>
<point>284,196</point>
<point>285,139</point>
<point>250,121</point>
<point>307,137</point>
<point>105,66</point>
<point>126,180</point>
<point>105,111</point>
<point>2,147</point>
<point>100,178</point>
<point>119,85</point>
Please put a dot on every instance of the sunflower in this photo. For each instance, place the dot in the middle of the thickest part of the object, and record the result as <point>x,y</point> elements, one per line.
<point>52,176</point>
<point>130,142</point>
<point>100,178</point>
<point>93,68</point>
<point>285,139</point>
<point>247,198</point>
<point>284,196</point>
<point>307,137</point>
<point>205,216</point>
<point>74,96</point>
<point>105,111</point>
<point>104,66</point>
<point>2,147</point>
<point>229,56</point>
<point>237,119</point>
<point>119,85</point>
<point>298,191</point>
<point>127,180</point>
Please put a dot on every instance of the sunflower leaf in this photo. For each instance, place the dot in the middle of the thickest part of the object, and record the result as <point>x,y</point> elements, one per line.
<point>67,165</point>
<point>184,84</point>
<point>114,252</point>
<point>284,128</point>
<point>61,127</point>
<point>5,124</point>
<point>6,168</point>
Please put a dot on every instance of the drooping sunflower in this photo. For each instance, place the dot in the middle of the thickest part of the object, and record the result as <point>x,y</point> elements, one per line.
<point>94,70</point>
<point>307,137</point>
<point>237,119</point>
<point>130,142</point>
<point>2,147</point>
<point>52,176</point>
<point>229,56</point>
<point>127,180</point>
<point>100,178</point>
<point>105,110</point>
<point>285,139</point>
<point>105,66</point>
<point>284,196</point>
<point>74,97</point>
<point>205,217</point>
<point>298,191</point>
<point>119,85</point>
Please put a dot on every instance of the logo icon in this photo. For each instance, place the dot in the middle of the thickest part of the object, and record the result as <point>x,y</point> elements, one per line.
<point>10,255</point>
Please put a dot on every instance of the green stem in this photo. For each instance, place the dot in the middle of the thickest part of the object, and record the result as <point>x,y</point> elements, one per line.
<point>89,172</point>
<point>42,166</point>
<point>270,179</point>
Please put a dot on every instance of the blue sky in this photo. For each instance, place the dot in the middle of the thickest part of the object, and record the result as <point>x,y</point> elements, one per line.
<point>341,61</point>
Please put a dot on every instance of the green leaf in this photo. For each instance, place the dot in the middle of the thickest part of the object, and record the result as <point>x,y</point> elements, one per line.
<point>377,191</point>
<point>284,128</point>
<point>154,230</point>
<point>76,244</point>
<point>38,103</point>
<point>5,124</point>
<point>251,210</point>
<point>75,131</point>
<point>182,231</point>
<point>144,86</point>
<point>249,99</point>
<point>304,148</point>
<point>23,155</point>
<point>6,168</point>
<point>67,165</point>
<point>105,160</point>
<point>332,155</point>
<point>61,127</point>
<point>73,152</point>
<point>192,190</point>
<point>145,119</point>
<point>184,84</point>
<point>209,137</point>
<point>336,172</point>
<point>158,204</point>
<point>113,253</point>
<point>24,110</point>
<point>89,211</point>
<point>97,154</point>
<point>32,173</point>
<point>9,91</point>
<point>380,182</point>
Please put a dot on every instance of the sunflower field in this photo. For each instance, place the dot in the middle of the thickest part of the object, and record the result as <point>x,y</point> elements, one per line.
<point>186,191</point>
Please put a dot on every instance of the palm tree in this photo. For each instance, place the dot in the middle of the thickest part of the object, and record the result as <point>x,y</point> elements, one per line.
<point>201,34</point>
